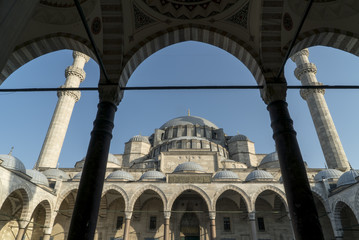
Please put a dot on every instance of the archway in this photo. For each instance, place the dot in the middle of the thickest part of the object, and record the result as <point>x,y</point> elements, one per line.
<point>189,217</point>
<point>346,221</point>
<point>324,218</point>
<point>63,217</point>
<point>34,229</point>
<point>232,215</point>
<point>111,217</point>
<point>272,216</point>
<point>10,214</point>
<point>147,218</point>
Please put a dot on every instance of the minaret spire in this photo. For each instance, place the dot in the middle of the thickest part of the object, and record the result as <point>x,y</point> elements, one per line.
<point>55,136</point>
<point>328,137</point>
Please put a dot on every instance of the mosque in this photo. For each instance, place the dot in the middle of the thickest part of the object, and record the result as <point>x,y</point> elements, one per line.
<point>188,180</point>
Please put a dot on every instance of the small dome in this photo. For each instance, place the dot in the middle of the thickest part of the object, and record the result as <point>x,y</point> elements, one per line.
<point>121,175</point>
<point>37,177</point>
<point>271,157</point>
<point>139,138</point>
<point>78,175</point>
<point>13,163</point>
<point>54,173</point>
<point>327,174</point>
<point>189,167</point>
<point>153,175</point>
<point>259,175</point>
<point>348,178</point>
<point>225,174</point>
<point>188,120</point>
<point>238,137</point>
<point>111,159</point>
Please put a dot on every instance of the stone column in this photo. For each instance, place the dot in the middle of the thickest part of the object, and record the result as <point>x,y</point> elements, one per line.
<point>20,233</point>
<point>328,137</point>
<point>167,216</point>
<point>22,229</point>
<point>126,232</point>
<point>55,136</point>
<point>252,222</point>
<point>212,223</point>
<point>301,204</point>
<point>47,233</point>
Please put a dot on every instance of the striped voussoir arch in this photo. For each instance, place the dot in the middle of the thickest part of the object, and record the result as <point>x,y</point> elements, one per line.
<point>112,21</point>
<point>343,40</point>
<point>338,206</point>
<point>212,36</point>
<point>271,27</point>
<point>37,47</point>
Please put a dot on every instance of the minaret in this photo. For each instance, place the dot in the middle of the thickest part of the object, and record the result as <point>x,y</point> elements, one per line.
<point>55,136</point>
<point>328,137</point>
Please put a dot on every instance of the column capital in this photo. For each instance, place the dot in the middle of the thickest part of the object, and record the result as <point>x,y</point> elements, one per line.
<point>110,93</point>
<point>274,92</point>
<point>212,215</point>
<point>76,54</point>
<point>252,216</point>
<point>305,68</point>
<point>128,214</point>
<point>76,95</point>
<point>167,214</point>
<point>75,71</point>
<point>304,52</point>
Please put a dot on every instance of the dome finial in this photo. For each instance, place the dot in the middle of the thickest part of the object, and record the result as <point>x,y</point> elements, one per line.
<point>189,112</point>
<point>10,153</point>
<point>351,168</point>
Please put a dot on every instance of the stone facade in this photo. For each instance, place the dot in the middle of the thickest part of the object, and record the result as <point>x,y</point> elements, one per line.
<point>176,187</point>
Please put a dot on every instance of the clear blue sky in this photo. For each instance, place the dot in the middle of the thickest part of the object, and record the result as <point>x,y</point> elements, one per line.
<point>25,117</point>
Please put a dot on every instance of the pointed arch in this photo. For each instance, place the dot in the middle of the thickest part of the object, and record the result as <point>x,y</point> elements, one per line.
<point>229,43</point>
<point>117,189</point>
<point>139,192</point>
<point>26,195</point>
<point>236,189</point>
<point>338,205</point>
<point>276,190</point>
<point>198,190</point>
<point>37,47</point>
<point>64,194</point>
<point>330,37</point>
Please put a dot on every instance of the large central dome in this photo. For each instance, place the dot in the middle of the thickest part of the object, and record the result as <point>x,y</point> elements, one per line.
<point>185,120</point>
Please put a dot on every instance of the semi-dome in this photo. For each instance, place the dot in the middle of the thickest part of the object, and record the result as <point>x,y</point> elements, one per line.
<point>225,174</point>
<point>238,137</point>
<point>139,138</point>
<point>259,175</point>
<point>185,120</point>
<point>153,175</point>
<point>37,177</point>
<point>270,158</point>
<point>78,175</point>
<point>54,173</point>
<point>13,163</point>
<point>121,175</point>
<point>189,167</point>
<point>348,178</point>
<point>327,174</point>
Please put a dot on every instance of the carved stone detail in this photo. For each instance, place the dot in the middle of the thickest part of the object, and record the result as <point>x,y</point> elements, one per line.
<point>241,17</point>
<point>74,94</point>
<point>304,51</point>
<point>212,215</point>
<point>304,93</point>
<point>167,214</point>
<point>76,54</point>
<point>110,93</point>
<point>252,216</point>
<point>274,92</point>
<point>305,68</point>
<point>75,71</point>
